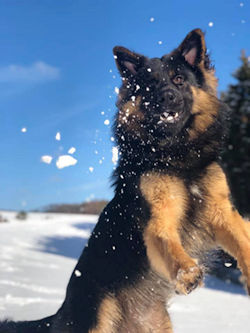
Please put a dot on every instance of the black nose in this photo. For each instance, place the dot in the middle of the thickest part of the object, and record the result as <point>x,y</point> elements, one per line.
<point>168,97</point>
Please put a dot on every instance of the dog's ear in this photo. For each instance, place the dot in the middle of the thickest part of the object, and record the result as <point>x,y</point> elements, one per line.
<point>127,62</point>
<point>193,48</point>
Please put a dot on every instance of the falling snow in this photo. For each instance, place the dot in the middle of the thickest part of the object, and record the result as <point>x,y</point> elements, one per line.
<point>24,130</point>
<point>46,159</point>
<point>71,150</point>
<point>106,122</point>
<point>228,264</point>
<point>65,161</point>
<point>117,90</point>
<point>58,136</point>
<point>211,24</point>
<point>91,169</point>
<point>151,19</point>
<point>77,273</point>
<point>114,155</point>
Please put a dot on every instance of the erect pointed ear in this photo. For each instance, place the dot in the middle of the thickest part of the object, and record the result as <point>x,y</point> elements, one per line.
<point>127,61</point>
<point>193,48</point>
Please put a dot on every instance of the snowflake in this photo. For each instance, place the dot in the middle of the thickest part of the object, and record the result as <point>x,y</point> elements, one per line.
<point>58,136</point>
<point>46,159</point>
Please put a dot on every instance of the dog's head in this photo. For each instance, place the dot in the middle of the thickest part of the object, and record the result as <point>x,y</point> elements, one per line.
<point>166,99</point>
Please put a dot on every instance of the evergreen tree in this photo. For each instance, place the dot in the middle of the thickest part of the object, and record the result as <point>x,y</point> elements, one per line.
<point>237,157</point>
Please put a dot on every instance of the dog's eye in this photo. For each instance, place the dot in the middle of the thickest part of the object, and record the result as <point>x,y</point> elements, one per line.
<point>178,80</point>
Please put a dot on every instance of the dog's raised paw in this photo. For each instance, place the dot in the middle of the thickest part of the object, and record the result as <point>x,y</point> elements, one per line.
<point>188,279</point>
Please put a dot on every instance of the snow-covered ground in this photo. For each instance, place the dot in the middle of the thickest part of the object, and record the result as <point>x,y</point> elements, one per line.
<point>37,257</point>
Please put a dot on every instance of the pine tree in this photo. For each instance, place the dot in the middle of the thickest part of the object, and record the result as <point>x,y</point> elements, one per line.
<point>237,157</point>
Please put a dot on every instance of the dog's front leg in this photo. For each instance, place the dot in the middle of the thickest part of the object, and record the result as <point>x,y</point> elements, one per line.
<point>167,197</point>
<point>169,259</point>
<point>232,234</point>
<point>230,230</point>
<point>247,227</point>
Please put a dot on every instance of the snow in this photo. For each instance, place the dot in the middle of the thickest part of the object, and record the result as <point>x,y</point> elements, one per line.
<point>115,153</point>
<point>224,309</point>
<point>65,161</point>
<point>38,255</point>
<point>91,169</point>
<point>46,159</point>
<point>24,130</point>
<point>106,122</point>
<point>211,24</point>
<point>58,136</point>
<point>228,264</point>
<point>77,273</point>
<point>72,150</point>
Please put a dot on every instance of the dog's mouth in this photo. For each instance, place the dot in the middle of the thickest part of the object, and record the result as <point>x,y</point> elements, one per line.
<point>169,122</point>
<point>169,117</point>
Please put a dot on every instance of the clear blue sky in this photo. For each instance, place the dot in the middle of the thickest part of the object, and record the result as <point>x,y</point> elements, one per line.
<point>55,75</point>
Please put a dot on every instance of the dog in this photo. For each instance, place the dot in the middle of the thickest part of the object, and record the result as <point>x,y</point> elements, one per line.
<point>172,202</point>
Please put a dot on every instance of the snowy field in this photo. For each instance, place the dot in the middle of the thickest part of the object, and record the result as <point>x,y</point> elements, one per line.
<point>38,255</point>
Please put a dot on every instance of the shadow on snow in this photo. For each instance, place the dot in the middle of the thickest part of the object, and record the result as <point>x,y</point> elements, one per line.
<point>71,246</point>
<point>212,282</point>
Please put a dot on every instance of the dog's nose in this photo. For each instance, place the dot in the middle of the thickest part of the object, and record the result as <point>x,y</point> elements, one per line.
<point>168,97</point>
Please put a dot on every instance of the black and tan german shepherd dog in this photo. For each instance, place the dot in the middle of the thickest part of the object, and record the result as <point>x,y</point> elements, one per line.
<point>171,205</point>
